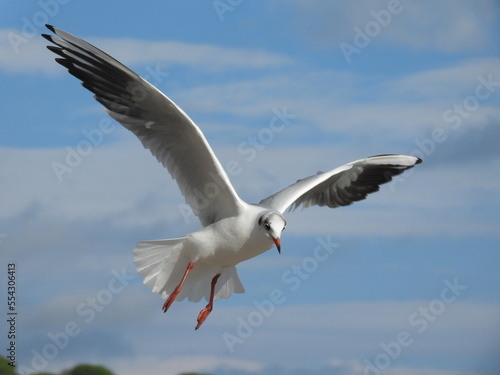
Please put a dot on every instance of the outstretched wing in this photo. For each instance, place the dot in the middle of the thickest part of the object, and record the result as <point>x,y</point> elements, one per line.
<point>341,186</point>
<point>162,127</point>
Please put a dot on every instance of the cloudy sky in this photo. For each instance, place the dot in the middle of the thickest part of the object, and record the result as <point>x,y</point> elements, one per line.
<point>405,282</point>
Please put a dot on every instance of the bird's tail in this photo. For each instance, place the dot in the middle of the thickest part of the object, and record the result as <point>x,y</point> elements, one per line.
<point>162,264</point>
<point>156,260</point>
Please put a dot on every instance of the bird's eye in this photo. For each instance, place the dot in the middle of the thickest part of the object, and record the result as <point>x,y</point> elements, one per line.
<point>267,225</point>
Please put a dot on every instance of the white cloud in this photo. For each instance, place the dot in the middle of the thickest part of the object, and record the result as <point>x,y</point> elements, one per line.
<point>174,366</point>
<point>400,109</point>
<point>447,26</point>
<point>403,370</point>
<point>201,56</point>
<point>95,184</point>
<point>125,187</point>
<point>349,334</point>
<point>33,57</point>
<point>450,82</point>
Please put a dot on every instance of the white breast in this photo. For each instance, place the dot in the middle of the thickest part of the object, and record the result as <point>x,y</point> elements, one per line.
<point>231,240</point>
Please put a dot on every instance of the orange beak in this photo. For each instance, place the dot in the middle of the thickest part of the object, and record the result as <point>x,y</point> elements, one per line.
<point>277,242</point>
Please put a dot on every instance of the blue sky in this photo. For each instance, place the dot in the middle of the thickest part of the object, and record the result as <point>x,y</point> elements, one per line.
<point>405,282</point>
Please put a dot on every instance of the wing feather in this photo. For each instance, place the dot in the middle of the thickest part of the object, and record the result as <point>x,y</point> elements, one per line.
<point>162,127</point>
<point>341,186</point>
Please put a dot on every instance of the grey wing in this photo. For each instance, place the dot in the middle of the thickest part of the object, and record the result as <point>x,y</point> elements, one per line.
<point>341,186</point>
<point>162,127</point>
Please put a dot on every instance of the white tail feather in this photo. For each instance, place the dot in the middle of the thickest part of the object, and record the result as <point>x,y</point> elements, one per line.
<point>162,264</point>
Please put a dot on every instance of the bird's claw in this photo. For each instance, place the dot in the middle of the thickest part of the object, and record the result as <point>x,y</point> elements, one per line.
<point>167,304</point>
<point>202,316</point>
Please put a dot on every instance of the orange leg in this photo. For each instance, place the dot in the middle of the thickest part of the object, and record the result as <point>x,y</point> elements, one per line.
<point>208,309</point>
<point>171,297</point>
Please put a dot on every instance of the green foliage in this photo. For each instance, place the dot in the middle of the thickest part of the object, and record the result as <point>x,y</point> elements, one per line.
<point>85,369</point>
<point>5,368</point>
<point>90,370</point>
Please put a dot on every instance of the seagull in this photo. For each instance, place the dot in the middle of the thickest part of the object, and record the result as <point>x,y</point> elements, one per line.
<point>202,264</point>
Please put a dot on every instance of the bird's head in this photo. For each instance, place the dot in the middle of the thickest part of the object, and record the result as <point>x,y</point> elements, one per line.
<point>272,223</point>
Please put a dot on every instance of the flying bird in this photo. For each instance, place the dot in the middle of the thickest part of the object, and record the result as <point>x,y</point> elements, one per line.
<point>202,264</point>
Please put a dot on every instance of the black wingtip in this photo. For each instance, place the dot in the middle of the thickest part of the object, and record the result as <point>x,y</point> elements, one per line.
<point>48,37</point>
<point>64,62</point>
<point>51,28</point>
<point>419,161</point>
<point>54,49</point>
<point>376,156</point>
